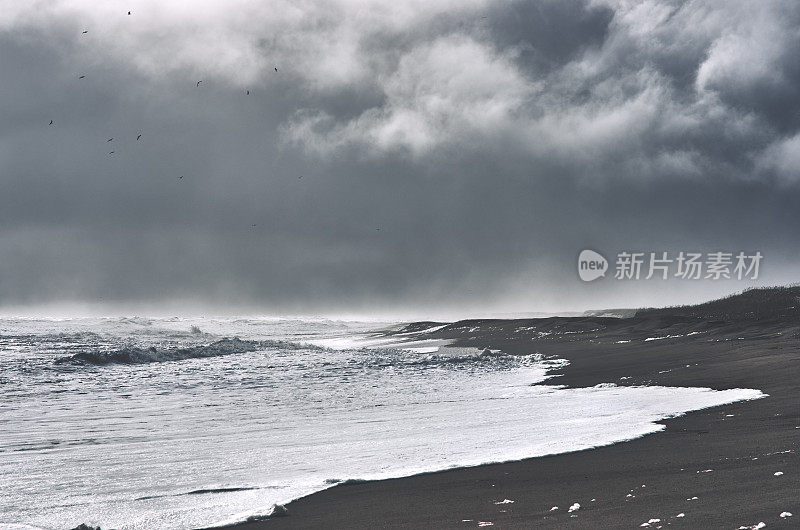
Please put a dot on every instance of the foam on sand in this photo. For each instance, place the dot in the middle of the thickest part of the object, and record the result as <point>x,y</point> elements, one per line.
<point>498,432</point>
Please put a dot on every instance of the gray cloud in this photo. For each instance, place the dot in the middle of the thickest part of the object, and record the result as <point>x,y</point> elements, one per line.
<point>455,156</point>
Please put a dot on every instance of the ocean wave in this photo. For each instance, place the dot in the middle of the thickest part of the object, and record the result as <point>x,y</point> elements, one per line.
<point>206,491</point>
<point>398,357</point>
<point>136,355</point>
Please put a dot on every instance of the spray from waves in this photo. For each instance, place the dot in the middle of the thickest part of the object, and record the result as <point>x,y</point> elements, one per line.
<point>153,354</point>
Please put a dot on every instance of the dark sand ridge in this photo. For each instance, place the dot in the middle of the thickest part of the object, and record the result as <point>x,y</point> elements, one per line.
<point>750,340</point>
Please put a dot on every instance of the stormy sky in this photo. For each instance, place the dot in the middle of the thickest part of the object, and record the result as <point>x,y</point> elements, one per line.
<point>406,158</point>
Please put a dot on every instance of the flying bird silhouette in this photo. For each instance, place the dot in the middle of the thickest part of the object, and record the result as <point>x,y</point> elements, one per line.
<point>198,83</point>
<point>81,76</point>
<point>276,68</point>
<point>248,92</point>
<point>51,122</point>
<point>85,31</point>
<point>129,12</point>
<point>111,152</point>
<point>109,140</point>
<point>137,138</point>
<point>180,177</point>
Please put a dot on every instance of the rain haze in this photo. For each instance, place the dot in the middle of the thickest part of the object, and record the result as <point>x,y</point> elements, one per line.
<point>403,159</point>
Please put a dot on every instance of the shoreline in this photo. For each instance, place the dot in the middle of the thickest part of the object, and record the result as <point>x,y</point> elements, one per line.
<point>735,441</point>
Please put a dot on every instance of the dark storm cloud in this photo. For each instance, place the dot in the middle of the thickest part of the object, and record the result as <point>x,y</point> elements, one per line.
<point>549,33</point>
<point>453,156</point>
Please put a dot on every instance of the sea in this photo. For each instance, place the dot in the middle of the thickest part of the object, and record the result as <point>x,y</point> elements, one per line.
<point>178,423</point>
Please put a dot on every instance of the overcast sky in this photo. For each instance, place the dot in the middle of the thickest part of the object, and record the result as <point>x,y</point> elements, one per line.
<point>455,156</point>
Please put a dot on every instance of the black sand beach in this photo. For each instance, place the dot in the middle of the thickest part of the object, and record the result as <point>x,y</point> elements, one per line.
<point>727,467</point>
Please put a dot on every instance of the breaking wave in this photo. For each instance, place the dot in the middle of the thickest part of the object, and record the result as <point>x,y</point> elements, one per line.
<point>136,355</point>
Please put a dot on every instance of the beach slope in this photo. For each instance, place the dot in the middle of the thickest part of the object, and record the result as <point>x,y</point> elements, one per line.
<point>726,467</point>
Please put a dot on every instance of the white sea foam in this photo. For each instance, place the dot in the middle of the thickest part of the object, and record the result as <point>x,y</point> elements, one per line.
<point>423,349</point>
<point>194,440</point>
<point>648,339</point>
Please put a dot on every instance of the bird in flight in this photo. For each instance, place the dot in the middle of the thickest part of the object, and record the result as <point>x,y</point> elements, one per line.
<point>301,176</point>
<point>180,177</point>
<point>109,140</point>
<point>85,31</point>
<point>198,83</point>
<point>137,138</point>
<point>129,12</point>
<point>248,92</point>
<point>51,122</point>
<point>81,76</point>
<point>276,68</point>
<point>111,152</point>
